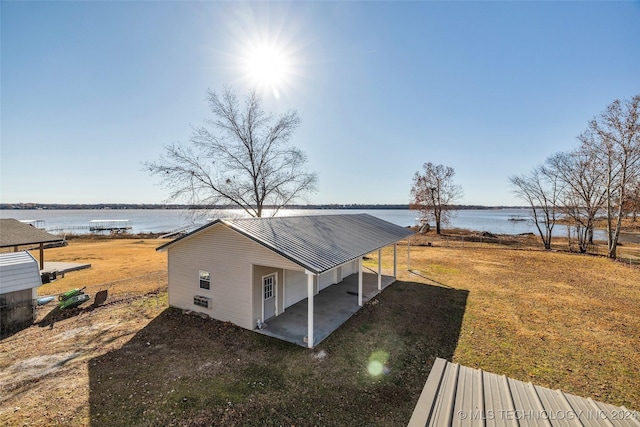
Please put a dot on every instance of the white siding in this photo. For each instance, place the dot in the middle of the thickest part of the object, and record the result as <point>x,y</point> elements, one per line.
<point>295,287</point>
<point>350,268</point>
<point>229,257</point>
<point>18,271</point>
<point>325,280</point>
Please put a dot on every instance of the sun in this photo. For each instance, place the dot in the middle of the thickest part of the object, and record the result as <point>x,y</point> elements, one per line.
<point>267,67</point>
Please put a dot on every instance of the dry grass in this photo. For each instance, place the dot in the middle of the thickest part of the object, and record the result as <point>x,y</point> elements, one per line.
<point>556,319</point>
<point>116,264</point>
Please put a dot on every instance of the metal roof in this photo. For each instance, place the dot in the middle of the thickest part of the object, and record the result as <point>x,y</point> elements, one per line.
<point>18,271</point>
<point>318,243</point>
<point>17,233</point>
<point>456,395</point>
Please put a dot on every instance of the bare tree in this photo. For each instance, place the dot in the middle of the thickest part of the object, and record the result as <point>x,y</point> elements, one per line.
<point>541,190</point>
<point>433,193</point>
<point>242,157</point>
<point>583,192</point>
<point>632,206</point>
<point>614,137</point>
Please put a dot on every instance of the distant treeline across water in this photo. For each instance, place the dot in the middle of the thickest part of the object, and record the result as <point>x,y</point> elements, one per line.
<point>66,206</point>
<point>493,220</point>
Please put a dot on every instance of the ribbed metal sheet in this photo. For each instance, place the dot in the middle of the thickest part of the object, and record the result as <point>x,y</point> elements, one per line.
<point>322,242</point>
<point>456,395</point>
<point>18,271</point>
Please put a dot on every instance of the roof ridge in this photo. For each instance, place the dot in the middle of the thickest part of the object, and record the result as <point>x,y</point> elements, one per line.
<point>256,218</point>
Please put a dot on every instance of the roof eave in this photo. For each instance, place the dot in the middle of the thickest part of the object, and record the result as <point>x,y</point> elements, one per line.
<point>165,246</point>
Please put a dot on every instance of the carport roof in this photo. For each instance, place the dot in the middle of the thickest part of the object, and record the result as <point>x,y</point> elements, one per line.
<point>17,233</point>
<point>318,243</point>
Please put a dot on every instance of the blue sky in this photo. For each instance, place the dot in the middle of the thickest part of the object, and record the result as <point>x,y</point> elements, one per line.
<point>91,90</point>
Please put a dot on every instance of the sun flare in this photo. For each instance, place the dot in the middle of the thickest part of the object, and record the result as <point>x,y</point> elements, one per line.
<point>267,68</point>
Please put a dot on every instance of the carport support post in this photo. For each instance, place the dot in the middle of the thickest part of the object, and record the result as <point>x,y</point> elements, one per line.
<point>409,253</point>
<point>395,260</point>
<point>360,281</point>
<point>41,256</point>
<point>379,269</point>
<point>309,309</point>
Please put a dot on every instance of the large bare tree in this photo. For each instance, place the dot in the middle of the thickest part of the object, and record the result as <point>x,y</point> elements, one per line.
<point>433,193</point>
<point>242,157</point>
<point>541,189</point>
<point>614,137</point>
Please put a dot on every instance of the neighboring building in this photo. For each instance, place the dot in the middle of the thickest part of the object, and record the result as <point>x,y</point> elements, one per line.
<point>456,395</point>
<point>248,271</point>
<point>14,234</point>
<point>19,281</point>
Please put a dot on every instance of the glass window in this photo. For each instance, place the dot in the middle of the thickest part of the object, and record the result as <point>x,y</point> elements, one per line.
<point>205,280</point>
<point>268,287</point>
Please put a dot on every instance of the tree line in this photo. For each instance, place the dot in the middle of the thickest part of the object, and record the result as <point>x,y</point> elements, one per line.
<point>600,178</point>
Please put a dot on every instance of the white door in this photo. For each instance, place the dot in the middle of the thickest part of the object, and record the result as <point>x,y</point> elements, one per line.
<point>269,296</point>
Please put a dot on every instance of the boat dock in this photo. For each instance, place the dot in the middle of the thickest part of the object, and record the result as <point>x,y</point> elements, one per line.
<point>111,225</point>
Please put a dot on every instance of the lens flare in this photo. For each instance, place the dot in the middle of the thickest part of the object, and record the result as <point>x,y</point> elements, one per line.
<point>377,361</point>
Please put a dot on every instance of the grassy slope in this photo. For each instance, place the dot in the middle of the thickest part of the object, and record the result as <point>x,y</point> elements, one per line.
<point>114,263</point>
<point>558,320</point>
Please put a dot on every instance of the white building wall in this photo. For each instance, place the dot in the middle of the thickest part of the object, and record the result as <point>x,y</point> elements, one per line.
<point>350,268</point>
<point>295,289</point>
<point>229,257</point>
<point>326,279</point>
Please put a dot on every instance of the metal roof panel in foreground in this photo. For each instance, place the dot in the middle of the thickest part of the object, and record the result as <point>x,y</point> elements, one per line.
<point>456,395</point>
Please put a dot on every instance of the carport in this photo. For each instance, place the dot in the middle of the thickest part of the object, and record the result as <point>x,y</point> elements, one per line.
<point>16,234</point>
<point>331,308</point>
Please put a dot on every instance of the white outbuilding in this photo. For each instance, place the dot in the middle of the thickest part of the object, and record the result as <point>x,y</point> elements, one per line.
<point>19,282</point>
<point>295,278</point>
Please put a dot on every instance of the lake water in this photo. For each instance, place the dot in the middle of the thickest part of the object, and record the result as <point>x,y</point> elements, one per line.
<point>497,221</point>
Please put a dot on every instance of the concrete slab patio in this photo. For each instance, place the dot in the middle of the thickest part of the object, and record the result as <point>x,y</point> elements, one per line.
<point>331,308</point>
<point>63,267</point>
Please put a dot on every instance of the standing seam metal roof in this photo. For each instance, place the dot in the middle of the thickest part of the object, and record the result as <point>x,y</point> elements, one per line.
<point>320,242</point>
<point>456,395</point>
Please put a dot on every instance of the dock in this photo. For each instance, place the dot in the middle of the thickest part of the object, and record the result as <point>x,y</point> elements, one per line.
<point>111,225</point>
<point>114,226</point>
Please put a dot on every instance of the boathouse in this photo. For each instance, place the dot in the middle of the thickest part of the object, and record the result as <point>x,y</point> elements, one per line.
<point>294,278</point>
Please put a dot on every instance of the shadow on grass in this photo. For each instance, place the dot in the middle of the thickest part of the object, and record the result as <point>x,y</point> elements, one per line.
<point>185,370</point>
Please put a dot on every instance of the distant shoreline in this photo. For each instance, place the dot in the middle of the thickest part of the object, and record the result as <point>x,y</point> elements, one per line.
<point>122,206</point>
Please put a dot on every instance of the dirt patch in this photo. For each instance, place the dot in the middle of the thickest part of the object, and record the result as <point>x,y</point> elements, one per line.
<point>34,368</point>
<point>140,364</point>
